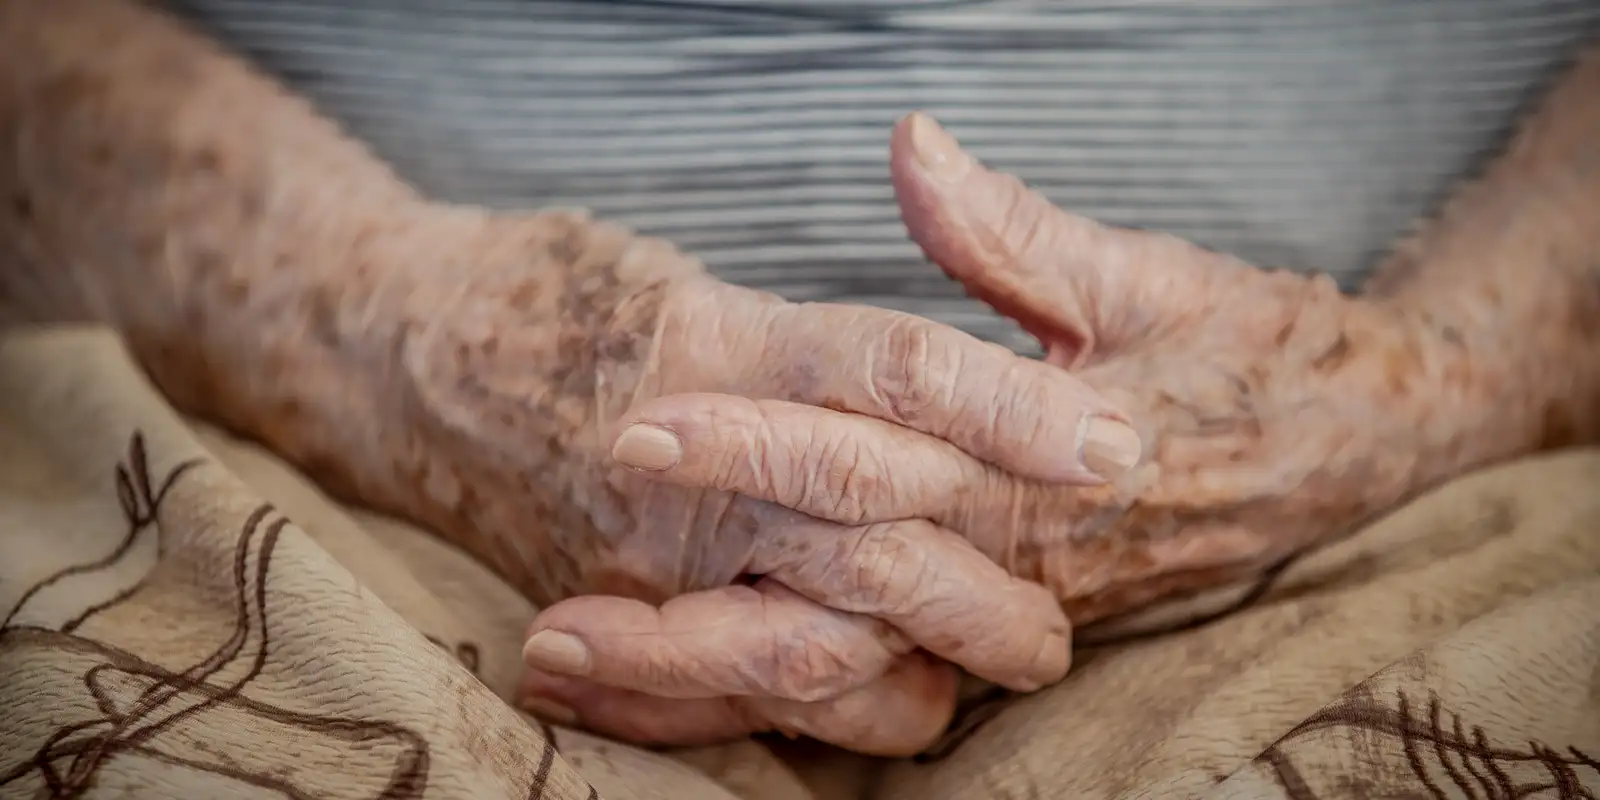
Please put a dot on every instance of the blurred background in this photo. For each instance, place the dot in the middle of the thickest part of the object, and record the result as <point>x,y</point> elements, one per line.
<point>754,133</point>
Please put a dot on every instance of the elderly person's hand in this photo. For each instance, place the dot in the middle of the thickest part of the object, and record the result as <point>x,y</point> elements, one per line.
<point>517,379</point>
<point>1276,412</point>
<point>474,371</point>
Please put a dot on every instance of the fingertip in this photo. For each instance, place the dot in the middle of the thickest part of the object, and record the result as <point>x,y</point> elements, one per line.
<point>558,652</point>
<point>1061,430</point>
<point>1050,665</point>
<point>649,448</point>
<point>1108,447</point>
<point>936,153</point>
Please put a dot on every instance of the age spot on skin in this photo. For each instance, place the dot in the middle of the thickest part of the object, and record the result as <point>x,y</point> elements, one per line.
<point>1332,358</point>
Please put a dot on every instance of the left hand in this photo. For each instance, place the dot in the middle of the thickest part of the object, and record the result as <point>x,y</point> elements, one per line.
<point>1275,410</point>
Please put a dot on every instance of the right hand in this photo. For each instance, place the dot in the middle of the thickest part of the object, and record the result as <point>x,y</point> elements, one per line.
<point>515,423</point>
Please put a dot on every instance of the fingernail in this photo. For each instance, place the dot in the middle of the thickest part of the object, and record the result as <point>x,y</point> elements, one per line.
<point>550,711</point>
<point>1108,447</point>
<point>554,651</point>
<point>648,447</point>
<point>936,151</point>
<point>1052,663</point>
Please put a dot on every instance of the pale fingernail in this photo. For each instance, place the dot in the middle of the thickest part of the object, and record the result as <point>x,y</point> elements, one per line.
<point>648,447</point>
<point>554,651</point>
<point>936,151</point>
<point>1052,662</point>
<point>1108,447</point>
<point>551,711</point>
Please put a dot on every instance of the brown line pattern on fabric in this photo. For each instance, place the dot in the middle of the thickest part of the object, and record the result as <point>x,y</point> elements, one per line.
<point>1435,710</point>
<point>1361,711</point>
<point>140,503</point>
<point>131,489</point>
<point>1288,776</point>
<point>1483,781</point>
<point>1408,745</point>
<point>541,776</point>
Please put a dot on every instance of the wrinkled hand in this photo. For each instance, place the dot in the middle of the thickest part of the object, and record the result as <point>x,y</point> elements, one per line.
<point>1275,412</point>
<point>821,622</point>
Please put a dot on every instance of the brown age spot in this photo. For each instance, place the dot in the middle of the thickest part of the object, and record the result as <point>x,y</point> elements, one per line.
<point>1586,305</point>
<point>323,320</point>
<point>207,160</point>
<point>523,294</point>
<point>619,581</point>
<point>1397,372</point>
<point>99,154</point>
<point>22,207</point>
<point>803,379</point>
<point>1334,357</point>
<point>236,291</point>
<point>1282,337</point>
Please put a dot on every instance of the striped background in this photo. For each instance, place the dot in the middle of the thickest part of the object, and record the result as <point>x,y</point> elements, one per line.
<point>1301,133</point>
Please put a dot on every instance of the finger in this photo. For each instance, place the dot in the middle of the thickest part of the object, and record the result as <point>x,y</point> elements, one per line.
<point>764,640</point>
<point>1084,289</point>
<point>846,468</point>
<point>635,716</point>
<point>897,714</point>
<point>932,585</point>
<point>1020,414</point>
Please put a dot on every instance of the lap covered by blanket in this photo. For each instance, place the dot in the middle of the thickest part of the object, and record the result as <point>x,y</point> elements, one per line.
<point>185,616</point>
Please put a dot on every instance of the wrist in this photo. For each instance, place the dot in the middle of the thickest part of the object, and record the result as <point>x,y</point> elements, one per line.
<point>1523,365</point>
<point>502,346</point>
<point>284,341</point>
<point>1507,275</point>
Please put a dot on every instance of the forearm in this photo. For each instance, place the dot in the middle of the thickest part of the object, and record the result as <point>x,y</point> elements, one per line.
<point>1508,277</point>
<point>268,272</point>
<point>149,175</point>
<point>230,235</point>
<point>157,185</point>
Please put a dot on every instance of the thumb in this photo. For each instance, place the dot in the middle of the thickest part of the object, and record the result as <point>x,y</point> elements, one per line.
<point>1085,290</point>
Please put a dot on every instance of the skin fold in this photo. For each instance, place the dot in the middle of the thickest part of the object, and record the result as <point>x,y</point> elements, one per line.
<point>745,514</point>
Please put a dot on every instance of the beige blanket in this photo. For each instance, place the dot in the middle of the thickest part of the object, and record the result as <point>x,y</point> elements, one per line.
<point>185,617</point>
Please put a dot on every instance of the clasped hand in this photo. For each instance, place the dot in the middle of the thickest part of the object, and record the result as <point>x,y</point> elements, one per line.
<point>857,502</point>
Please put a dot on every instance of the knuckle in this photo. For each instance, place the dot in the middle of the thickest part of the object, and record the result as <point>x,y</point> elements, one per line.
<point>913,370</point>
<point>743,457</point>
<point>1024,231</point>
<point>1026,404</point>
<point>846,478</point>
<point>813,674</point>
<point>888,571</point>
<point>807,669</point>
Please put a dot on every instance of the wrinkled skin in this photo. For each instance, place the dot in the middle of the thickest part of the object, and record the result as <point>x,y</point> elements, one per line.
<point>468,369</point>
<point>515,430</point>
<point>1276,412</point>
